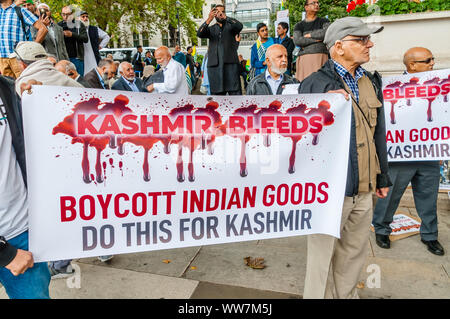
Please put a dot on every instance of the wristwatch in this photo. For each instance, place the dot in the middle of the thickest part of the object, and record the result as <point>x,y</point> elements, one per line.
<point>3,243</point>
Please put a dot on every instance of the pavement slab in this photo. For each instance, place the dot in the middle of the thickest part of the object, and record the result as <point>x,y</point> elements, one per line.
<point>100,282</point>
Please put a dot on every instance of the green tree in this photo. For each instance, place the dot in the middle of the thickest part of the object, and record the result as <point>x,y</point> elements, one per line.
<point>151,16</point>
<point>334,9</point>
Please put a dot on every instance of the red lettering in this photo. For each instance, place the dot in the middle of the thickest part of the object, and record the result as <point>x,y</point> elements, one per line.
<point>212,205</point>
<point>421,91</point>
<point>202,123</point>
<point>388,94</point>
<point>283,124</point>
<point>83,124</point>
<point>117,205</point>
<point>236,124</point>
<point>409,92</point>
<point>316,123</point>
<point>295,128</point>
<point>433,90</point>
<point>104,204</point>
<point>268,199</point>
<point>168,126</point>
<point>145,124</point>
<point>267,124</point>
<point>109,124</point>
<point>296,196</point>
<point>282,191</point>
<point>445,88</point>
<point>321,189</point>
<point>91,201</point>
<point>129,125</point>
<point>134,202</point>
<point>67,207</point>
<point>310,193</point>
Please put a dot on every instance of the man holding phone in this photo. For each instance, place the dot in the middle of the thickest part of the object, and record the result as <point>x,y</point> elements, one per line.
<point>75,35</point>
<point>223,61</point>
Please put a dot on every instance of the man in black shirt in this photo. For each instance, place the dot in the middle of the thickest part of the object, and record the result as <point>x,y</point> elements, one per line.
<point>138,63</point>
<point>223,62</point>
<point>75,35</point>
<point>287,42</point>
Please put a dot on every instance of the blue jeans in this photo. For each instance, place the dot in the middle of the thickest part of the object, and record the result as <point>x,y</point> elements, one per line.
<point>33,284</point>
<point>79,64</point>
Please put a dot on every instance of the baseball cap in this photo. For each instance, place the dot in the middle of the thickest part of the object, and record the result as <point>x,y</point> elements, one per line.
<point>29,51</point>
<point>29,1</point>
<point>81,13</point>
<point>343,27</point>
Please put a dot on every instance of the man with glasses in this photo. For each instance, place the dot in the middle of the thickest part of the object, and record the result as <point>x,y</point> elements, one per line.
<point>334,265</point>
<point>423,176</point>
<point>308,35</point>
<point>75,35</point>
<point>15,23</point>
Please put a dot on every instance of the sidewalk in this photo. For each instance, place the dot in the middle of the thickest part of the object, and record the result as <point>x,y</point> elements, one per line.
<point>408,270</point>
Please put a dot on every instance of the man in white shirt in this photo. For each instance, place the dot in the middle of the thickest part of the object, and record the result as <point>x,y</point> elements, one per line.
<point>97,40</point>
<point>174,74</point>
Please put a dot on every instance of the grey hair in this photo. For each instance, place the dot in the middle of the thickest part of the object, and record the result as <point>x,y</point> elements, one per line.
<point>70,67</point>
<point>120,69</point>
<point>104,62</point>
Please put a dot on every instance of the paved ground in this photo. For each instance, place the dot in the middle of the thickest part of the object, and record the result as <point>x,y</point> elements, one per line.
<point>407,270</point>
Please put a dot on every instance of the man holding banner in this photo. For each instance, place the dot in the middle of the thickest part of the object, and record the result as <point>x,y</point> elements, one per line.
<point>334,265</point>
<point>423,176</point>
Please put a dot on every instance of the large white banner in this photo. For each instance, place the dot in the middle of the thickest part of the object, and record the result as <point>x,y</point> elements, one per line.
<point>417,113</point>
<point>113,172</point>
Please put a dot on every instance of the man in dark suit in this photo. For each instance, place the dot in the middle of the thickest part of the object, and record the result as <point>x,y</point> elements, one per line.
<point>287,42</point>
<point>223,62</point>
<point>128,80</point>
<point>98,77</point>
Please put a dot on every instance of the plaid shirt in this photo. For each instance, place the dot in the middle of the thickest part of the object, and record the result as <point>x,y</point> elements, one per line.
<point>351,81</point>
<point>11,31</point>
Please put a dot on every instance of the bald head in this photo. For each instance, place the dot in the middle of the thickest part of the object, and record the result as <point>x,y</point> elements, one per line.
<point>162,56</point>
<point>418,59</point>
<point>68,68</point>
<point>276,59</point>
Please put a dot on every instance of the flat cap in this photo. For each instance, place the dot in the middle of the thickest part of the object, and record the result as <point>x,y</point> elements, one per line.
<point>341,28</point>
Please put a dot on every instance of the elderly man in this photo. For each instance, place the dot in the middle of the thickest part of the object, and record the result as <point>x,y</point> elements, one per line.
<point>69,69</point>
<point>273,80</point>
<point>54,40</point>
<point>175,81</point>
<point>334,265</point>
<point>223,62</point>
<point>98,77</point>
<point>128,80</point>
<point>423,175</point>
<point>75,35</point>
<point>33,61</point>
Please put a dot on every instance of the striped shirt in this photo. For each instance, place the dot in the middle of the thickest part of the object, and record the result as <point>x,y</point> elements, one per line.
<point>351,81</point>
<point>11,31</point>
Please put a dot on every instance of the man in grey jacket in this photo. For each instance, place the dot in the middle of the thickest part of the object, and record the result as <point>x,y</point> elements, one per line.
<point>273,80</point>
<point>54,41</point>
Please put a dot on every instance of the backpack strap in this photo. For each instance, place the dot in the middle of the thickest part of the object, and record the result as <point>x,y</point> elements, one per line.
<point>22,21</point>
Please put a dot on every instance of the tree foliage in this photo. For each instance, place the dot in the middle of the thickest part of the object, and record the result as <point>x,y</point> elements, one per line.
<point>150,16</point>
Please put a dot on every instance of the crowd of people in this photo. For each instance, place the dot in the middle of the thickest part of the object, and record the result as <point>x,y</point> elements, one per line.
<point>37,50</point>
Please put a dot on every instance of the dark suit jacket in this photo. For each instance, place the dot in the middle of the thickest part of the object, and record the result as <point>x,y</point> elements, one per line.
<point>121,85</point>
<point>83,82</point>
<point>94,82</point>
<point>226,37</point>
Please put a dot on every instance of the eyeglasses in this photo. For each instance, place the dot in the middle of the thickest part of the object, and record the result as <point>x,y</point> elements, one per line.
<point>363,40</point>
<point>427,61</point>
<point>313,3</point>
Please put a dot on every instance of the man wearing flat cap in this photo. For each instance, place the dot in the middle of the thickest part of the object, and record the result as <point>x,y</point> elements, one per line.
<point>334,265</point>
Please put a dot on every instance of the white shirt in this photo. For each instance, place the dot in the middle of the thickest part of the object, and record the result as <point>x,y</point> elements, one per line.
<point>89,57</point>
<point>13,194</point>
<point>174,79</point>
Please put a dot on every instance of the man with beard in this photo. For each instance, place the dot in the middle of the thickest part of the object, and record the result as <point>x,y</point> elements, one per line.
<point>223,62</point>
<point>97,40</point>
<point>258,52</point>
<point>273,80</point>
<point>75,35</point>
<point>175,81</point>
<point>99,76</point>
<point>69,69</point>
<point>128,80</point>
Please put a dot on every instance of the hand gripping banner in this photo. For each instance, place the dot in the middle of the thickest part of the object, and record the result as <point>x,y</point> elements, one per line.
<point>113,172</point>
